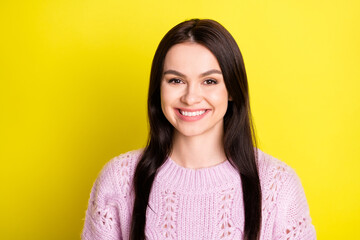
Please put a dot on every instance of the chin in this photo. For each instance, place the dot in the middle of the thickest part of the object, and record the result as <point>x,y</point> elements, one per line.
<point>191,132</point>
<point>188,132</point>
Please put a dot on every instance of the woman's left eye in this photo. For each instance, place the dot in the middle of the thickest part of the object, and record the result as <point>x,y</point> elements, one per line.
<point>210,81</point>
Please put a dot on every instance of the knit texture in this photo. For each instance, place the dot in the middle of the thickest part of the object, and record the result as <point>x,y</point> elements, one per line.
<point>196,204</point>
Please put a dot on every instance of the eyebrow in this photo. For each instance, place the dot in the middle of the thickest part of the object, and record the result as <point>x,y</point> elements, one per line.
<point>174,72</point>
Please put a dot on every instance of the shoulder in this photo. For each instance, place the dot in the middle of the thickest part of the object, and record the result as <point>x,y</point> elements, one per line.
<point>109,195</point>
<point>116,176</point>
<point>277,179</point>
<point>125,162</point>
<point>284,196</point>
<point>272,169</point>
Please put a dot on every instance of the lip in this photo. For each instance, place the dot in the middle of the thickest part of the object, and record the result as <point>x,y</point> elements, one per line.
<point>191,118</point>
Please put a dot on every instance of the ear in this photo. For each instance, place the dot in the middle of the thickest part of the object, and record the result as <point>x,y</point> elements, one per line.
<point>230,98</point>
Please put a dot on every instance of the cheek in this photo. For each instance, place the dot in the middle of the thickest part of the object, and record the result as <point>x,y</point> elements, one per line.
<point>220,98</point>
<point>169,95</point>
<point>164,97</point>
<point>166,100</point>
<point>162,101</point>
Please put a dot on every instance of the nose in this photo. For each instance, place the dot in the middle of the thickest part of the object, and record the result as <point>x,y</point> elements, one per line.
<point>192,95</point>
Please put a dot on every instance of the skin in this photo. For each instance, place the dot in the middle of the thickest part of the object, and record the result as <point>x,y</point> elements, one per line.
<point>192,81</point>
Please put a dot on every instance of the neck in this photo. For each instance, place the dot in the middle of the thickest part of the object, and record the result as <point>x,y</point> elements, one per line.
<point>198,151</point>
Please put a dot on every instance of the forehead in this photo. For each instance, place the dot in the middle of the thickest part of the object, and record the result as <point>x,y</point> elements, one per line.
<point>190,56</point>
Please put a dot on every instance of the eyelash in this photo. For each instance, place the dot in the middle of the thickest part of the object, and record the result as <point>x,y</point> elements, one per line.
<point>212,82</point>
<point>175,81</point>
<point>206,82</point>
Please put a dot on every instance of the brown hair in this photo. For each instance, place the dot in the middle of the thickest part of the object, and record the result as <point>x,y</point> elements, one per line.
<point>239,137</point>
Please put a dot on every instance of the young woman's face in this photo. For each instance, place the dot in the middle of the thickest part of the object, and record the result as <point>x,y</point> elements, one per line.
<point>194,98</point>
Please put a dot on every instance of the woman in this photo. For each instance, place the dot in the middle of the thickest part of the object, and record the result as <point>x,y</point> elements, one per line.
<point>200,175</point>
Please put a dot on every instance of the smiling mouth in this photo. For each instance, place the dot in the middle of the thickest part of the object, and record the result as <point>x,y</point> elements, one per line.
<point>192,114</point>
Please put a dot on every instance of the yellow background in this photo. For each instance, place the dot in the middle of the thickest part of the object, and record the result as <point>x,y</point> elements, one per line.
<point>73,85</point>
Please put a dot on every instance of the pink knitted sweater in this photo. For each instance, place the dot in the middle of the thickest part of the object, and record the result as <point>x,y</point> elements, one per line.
<point>196,204</point>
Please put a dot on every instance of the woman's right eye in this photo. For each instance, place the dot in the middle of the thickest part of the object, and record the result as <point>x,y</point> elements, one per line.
<point>175,81</point>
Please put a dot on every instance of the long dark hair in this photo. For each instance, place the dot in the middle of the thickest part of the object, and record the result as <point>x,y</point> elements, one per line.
<point>239,137</point>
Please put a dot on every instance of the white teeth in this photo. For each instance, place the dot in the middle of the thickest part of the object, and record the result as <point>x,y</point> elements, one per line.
<point>192,114</point>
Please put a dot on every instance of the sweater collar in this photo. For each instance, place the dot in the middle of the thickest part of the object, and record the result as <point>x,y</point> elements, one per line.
<point>174,176</point>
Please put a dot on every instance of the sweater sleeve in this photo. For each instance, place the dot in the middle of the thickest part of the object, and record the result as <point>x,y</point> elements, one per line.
<point>102,215</point>
<point>293,220</point>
